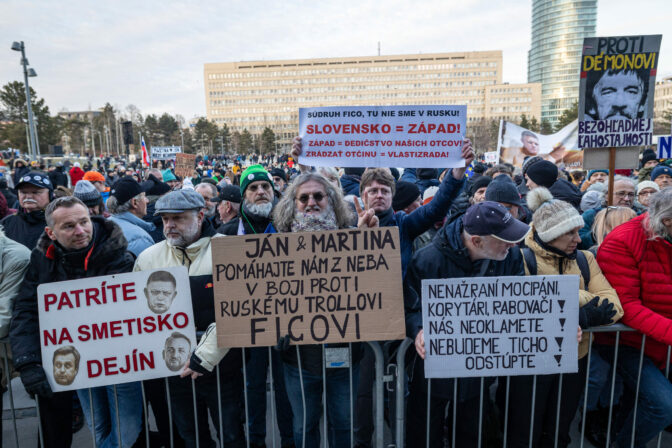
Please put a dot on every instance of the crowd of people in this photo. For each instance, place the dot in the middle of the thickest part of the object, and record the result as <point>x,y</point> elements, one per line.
<point>105,216</point>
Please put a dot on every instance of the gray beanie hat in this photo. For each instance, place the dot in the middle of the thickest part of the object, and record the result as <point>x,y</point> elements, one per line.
<point>552,217</point>
<point>87,193</point>
<point>592,199</point>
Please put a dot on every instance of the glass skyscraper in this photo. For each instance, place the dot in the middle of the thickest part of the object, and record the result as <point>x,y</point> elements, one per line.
<point>558,29</point>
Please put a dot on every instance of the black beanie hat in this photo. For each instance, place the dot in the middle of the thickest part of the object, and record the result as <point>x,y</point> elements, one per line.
<point>543,173</point>
<point>480,182</point>
<point>427,173</point>
<point>354,171</point>
<point>405,194</point>
<point>647,156</point>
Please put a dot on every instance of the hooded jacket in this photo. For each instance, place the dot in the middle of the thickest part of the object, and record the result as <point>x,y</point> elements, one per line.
<point>14,259</point>
<point>76,174</point>
<point>25,228</point>
<point>640,270</point>
<point>197,257</point>
<point>551,262</point>
<point>49,262</point>
<point>350,184</point>
<point>447,257</point>
<point>135,230</point>
<point>58,177</point>
<point>566,191</point>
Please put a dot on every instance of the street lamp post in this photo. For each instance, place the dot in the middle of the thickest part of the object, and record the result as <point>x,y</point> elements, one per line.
<point>16,46</point>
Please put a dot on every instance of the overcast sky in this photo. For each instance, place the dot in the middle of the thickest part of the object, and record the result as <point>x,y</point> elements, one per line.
<point>151,53</point>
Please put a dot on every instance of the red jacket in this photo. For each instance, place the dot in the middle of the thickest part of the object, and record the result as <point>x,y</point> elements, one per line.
<point>76,174</point>
<point>640,269</point>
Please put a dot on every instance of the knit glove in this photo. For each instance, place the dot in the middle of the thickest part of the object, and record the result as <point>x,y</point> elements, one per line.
<point>593,314</point>
<point>35,381</point>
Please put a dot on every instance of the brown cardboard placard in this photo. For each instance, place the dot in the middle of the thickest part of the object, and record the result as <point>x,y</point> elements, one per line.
<point>317,287</point>
<point>184,164</point>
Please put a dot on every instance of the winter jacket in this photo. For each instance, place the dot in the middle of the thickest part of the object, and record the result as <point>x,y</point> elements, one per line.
<point>58,177</point>
<point>135,230</point>
<point>253,224</point>
<point>552,262</point>
<point>640,270</point>
<point>447,257</point>
<point>76,174</point>
<point>197,257</point>
<point>350,184</point>
<point>14,259</point>
<point>25,228</point>
<point>422,218</point>
<point>423,178</point>
<point>105,255</point>
<point>156,234</point>
<point>12,200</point>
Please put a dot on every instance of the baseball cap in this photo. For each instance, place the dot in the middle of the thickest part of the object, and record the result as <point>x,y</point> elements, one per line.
<point>36,178</point>
<point>126,189</point>
<point>492,218</point>
<point>230,193</point>
<point>179,201</point>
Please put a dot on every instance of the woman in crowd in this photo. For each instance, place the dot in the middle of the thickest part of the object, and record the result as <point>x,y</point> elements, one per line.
<point>552,250</point>
<point>644,191</point>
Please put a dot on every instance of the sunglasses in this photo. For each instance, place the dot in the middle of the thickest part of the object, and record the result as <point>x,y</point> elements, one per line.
<point>304,198</point>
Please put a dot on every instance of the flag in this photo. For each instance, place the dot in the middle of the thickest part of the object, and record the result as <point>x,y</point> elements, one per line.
<point>470,170</point>
<point>145,156</point>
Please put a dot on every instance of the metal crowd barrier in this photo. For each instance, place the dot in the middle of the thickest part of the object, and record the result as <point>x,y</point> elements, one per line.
<point>396,375</point>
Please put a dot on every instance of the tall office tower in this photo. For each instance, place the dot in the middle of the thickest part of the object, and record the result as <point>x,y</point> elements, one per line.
<point>558,30</point>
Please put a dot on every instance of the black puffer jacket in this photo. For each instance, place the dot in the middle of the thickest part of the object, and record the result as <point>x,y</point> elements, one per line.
<point>447,257</point>
<point>25,228</point>
<point>58,177</point>
<point>106,255</point>
<point>566,191</point>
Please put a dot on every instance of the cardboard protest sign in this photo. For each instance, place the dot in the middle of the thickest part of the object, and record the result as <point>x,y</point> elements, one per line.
<point>618,78</point>
<point>383,136</point>
<point>184,164</point>
<point>115,329</point>
<point>505,326</point>
<point>165,152</point>
<point>515,143</point>
<point>316,287</point>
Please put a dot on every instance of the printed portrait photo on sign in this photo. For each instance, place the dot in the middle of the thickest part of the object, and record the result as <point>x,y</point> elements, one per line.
<point>176,351</point>
<point>66,365</point>
<point>617,94</point>
<point>160,291</point>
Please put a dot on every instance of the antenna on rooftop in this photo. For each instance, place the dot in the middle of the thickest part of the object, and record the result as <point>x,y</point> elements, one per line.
<point>378,48</point>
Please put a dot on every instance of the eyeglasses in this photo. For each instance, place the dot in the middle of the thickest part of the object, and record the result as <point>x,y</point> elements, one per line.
<point>624,194</point>
<point>304,198</point>
<point>646,193</point>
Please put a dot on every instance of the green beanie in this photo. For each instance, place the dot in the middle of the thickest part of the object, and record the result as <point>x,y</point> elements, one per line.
<point>252,174</point>
<point>168,176</point>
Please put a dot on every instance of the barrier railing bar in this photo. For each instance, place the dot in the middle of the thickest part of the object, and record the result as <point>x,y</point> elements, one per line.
<point>557,412</point>
<point>400,392</point>
<point>324,391</point>
<point>454,411</point>
<point>639,378</point>
<point>534,396</point>
<point>8,375</point>
<point>506,411</point>
<point>219,406</point>
<point>193,395</point>
<point>247,413</point>
<point>274,420</point>
<point>116,411</point>
<point>303,397</point>
<point>585,389</point>
<point>39,421</point>
<point>170,415</point>
<point>480,414</point>
<point>350,398</point>
<point>380,417</point>
<point>145,412</point>
<point>93,420</point>
<point>429,402</point>
<point>613,385</point>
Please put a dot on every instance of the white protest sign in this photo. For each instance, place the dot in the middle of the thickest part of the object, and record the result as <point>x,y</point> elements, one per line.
<point>665,147</point>
<point>383,136</point>
<point>491,157</point>
<point>494,326</point>
<point>165,152</point>
<point>115,329</point>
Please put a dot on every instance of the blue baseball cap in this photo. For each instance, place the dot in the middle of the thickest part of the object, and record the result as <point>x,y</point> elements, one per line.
<point>492,218</point>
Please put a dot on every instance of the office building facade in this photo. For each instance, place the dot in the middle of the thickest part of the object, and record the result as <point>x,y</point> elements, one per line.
<point>554,59</point>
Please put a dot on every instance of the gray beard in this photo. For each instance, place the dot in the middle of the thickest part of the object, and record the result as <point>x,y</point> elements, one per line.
<point>310,223</point>
<point>261,210</point>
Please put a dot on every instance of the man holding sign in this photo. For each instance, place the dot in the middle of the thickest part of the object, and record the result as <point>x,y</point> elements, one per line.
<point>481,244</point>
<point>73,246</point>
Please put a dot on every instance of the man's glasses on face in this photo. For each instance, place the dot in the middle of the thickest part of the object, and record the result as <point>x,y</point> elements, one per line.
<point>304,198</point>
<point>624,194</point>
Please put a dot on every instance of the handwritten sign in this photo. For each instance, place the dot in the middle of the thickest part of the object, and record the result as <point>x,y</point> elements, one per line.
<point>184,164</point>
<point>115,329</point>
<point>315,287</point>
<point>383,136</point>
<point>476,327</point>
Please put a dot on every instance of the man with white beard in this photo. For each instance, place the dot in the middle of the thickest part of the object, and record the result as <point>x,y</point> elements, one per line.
<point>187,243</point>
<point>256,188</point>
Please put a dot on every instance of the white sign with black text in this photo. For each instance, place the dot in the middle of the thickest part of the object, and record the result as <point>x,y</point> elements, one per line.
<point>500,326</point>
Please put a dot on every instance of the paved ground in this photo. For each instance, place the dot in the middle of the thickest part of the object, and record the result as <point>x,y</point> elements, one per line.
<point>26,426</point>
